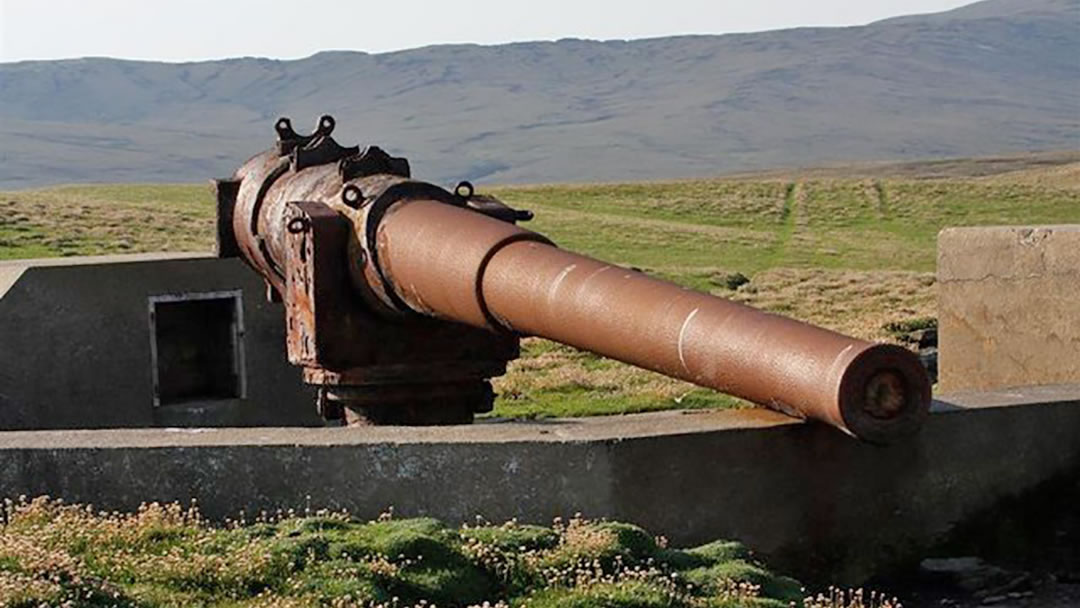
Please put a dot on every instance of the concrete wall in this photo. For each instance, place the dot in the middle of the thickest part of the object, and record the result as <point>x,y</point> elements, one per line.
<point>75,345</point>
<point>1009,306</point>
<point>811,500</point>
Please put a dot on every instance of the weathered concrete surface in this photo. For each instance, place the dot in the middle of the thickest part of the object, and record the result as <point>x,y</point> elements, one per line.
<point>75,345</point>
<point>810,499</point>
<point>1009,306</point>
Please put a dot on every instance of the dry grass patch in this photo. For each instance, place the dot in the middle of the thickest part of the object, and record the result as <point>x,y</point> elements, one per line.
<point>858,303</point>
<point>1058,176</point>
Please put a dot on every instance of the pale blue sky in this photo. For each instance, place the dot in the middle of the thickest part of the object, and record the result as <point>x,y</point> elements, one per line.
<point>181,30</point>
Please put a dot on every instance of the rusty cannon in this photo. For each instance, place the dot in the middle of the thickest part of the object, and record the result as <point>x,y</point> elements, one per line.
<point>403,299</point>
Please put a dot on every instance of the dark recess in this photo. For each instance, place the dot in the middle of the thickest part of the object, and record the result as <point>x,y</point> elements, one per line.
<point>196,350</point>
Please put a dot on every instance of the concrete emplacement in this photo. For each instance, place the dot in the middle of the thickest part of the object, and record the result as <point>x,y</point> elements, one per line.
<point>810,500</point>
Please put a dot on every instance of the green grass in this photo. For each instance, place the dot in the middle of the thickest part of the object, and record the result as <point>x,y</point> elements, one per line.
<point>94,220</point>
<point>164,555</point>
<point>855,254</point>
<point>752,226</point>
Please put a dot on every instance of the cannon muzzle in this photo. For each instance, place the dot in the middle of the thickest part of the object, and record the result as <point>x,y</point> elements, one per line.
<point>403,299</point>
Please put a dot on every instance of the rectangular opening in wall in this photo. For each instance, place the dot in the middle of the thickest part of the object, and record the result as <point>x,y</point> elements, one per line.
<point>197,347</point>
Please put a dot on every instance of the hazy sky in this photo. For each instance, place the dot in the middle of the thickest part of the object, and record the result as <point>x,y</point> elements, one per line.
<point>180,30</point>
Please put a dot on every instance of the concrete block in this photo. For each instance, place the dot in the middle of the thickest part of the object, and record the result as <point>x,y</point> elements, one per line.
<point>77,348</point>
<point>1009,306</point>
<point>809,499</point>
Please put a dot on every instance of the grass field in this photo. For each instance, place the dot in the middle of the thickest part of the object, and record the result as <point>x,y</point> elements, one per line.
<point>848,248</point>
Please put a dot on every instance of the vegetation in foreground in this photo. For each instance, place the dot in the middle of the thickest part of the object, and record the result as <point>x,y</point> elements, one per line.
<point>53,554</point>
<point>853,253</point>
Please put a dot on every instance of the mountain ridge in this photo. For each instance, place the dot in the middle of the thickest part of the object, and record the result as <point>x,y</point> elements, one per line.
<point>573,110</point>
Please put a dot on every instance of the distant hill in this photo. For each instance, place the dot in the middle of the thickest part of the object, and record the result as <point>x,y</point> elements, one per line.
<point>995,77</point>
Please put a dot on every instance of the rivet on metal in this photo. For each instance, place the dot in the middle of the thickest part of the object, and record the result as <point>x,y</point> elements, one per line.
<point>326,125</point>
<point>298,225</point>
<point>352,196</point>
<point>464,190</point>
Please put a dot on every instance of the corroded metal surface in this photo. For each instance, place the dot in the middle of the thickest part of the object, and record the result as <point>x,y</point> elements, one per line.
<point>510,279</point>
<point>298,214</point>
<point>404,298</point>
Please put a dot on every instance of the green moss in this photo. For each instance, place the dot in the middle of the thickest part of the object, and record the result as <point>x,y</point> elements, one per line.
<point>339,578</point>
<point>720,551</point>
<point>409,538</point>
<point>164,557</point>
<point>712,578</point>
<point>515,537</point>
<point>630,541</point>
<point>624,595</point>
<point>452,584</point>
<point>297,551</point>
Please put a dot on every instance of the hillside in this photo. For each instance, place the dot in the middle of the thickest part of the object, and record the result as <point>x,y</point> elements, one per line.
<point>999,76</point>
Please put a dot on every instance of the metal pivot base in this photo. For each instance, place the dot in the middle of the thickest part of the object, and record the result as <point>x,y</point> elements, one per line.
<point>408,415</point>
<point>408,404</point>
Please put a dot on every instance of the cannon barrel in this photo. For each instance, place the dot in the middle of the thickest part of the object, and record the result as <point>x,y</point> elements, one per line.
<point>409,252</point>
<point>511,279</point>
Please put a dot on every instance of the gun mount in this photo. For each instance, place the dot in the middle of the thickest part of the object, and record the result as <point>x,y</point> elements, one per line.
<point>403,299</point>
